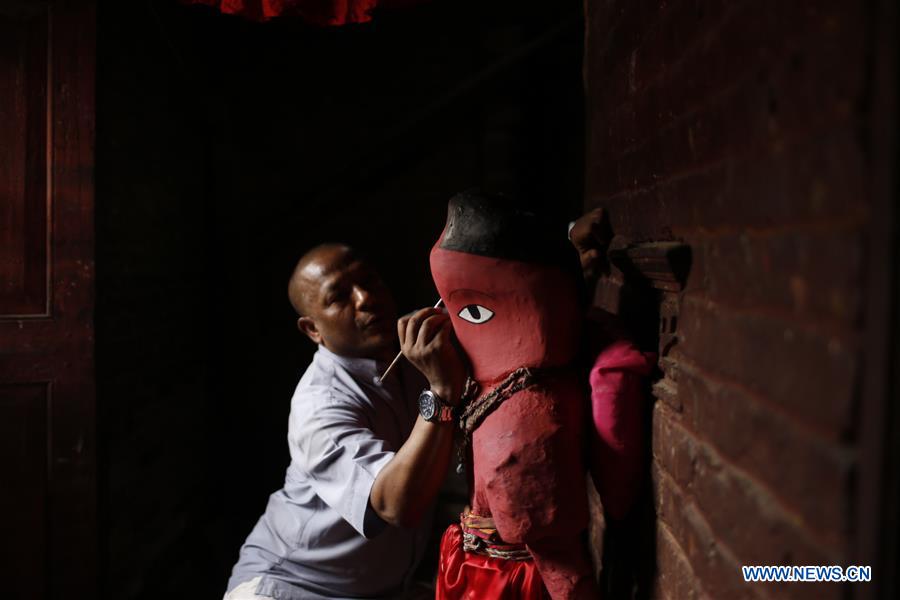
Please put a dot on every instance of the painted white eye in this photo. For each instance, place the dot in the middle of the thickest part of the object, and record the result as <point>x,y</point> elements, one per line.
<point>475,313</point>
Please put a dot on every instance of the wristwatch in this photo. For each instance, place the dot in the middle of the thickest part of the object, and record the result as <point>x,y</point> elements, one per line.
<point>433,409</point>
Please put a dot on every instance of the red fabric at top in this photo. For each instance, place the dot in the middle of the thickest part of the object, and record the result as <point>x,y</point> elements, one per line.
<point>317,12</point>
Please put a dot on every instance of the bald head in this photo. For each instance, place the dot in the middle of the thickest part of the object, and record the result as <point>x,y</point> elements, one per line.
<point>311,269</point>
<point>343,303</point>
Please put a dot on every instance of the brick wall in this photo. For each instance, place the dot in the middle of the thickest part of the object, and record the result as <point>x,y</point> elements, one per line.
<point>743,130</point>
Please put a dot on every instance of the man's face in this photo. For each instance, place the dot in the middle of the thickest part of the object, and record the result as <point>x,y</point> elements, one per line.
<point>349,308</point>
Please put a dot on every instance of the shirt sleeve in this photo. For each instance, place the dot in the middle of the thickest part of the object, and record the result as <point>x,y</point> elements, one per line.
<point>331,440</point>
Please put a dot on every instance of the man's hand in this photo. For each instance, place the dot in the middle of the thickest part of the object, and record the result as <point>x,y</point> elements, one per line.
<point>408,484</point>
<point>426,341</point>
<point>591,236</point>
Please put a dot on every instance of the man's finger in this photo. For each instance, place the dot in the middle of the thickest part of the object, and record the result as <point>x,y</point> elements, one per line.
<point>412,326</point>
<point>416,318</point>
<point>415,322</point>
<point>401,328</point>
<point>441,335</point>
<point>430,327</point>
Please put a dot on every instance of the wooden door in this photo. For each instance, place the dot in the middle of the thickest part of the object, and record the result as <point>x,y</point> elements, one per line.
<point>48,515</point>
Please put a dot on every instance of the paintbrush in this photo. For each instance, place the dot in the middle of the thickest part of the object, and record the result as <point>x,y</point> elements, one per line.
<point>399,354</point>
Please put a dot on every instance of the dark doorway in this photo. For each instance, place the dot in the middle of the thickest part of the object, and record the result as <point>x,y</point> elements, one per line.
<point>225,149</point>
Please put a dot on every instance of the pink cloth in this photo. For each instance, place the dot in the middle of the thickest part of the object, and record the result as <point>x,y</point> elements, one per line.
<point>617,399</point>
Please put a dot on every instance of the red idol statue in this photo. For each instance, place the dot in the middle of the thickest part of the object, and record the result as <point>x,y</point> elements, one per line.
<point>512,286</point>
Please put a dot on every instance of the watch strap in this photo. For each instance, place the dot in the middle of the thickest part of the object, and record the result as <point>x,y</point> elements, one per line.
<point>444,413</point>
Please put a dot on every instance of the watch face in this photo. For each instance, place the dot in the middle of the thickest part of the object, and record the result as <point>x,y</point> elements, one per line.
<point>426,405</point>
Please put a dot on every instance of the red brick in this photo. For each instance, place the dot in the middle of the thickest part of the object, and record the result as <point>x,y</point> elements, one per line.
<point>716,569</point>
<point>666,390</point>
<point>596,527</point>
<point>809,375</point>
<point>722,521</point>
<point>673,450</point>
<point>803,182</point>
<point>785,94</point>
<point>813,275</point>
<point>732,421</point>
<point>729,497</point>
<point>747,517</point>
<point>621,131</point>
<point>735,128</point>
<point>675,578</point>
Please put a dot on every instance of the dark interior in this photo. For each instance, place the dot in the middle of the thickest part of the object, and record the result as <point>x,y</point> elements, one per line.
<point>225,149</point>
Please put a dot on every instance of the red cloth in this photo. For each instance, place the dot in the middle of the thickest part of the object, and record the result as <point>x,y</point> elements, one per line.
<point>317,12</point>
<point>617,396</point>
<point>465,576</point>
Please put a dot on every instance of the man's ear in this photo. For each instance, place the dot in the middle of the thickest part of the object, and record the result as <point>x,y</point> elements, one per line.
<point>308,326</point>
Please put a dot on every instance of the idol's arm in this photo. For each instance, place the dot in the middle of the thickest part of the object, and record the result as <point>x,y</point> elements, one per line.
<point>530,455</point>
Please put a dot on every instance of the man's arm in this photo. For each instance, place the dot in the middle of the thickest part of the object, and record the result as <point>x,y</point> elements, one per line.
<point>408,484</point>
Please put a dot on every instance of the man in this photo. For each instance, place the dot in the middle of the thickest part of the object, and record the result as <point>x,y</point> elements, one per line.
<point>365,466</point>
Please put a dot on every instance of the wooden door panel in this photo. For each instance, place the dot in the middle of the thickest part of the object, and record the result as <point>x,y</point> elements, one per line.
<point>48,513</point>
<point>24,452</point>
<point>24,278</point>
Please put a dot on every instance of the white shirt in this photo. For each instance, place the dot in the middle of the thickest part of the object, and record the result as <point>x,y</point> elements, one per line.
<point>319,537</point>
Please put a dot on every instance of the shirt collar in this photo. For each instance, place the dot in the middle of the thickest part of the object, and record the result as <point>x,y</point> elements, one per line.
<point>368,368</point>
